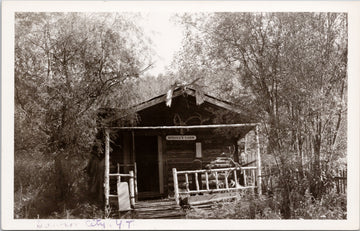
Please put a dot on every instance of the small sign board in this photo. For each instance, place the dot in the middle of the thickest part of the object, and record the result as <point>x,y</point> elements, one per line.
<point>181,137</point>
<point>123,196</point>
<point>198,150</point>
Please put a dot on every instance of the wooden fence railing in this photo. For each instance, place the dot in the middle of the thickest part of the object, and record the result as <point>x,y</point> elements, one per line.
<point>341,181</point>
<point>131,177</point>
<point>215,180</point>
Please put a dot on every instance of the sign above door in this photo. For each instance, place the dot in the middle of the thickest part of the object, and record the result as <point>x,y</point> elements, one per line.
<point>181,137</point>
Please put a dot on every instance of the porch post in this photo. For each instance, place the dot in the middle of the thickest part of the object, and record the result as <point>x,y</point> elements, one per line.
<point>258,159</point>
<point>134,162</point>
<point>132,189</point>
<point>107,168</point>
<point>176,186</point>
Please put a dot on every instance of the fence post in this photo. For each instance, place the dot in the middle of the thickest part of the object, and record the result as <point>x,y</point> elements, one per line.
<point>217,180</point>
<point>135,181</point>
<point>235,179</point>
<point>207,180</point>
<point>197,182</point>
<point>176,186</point>
<point>132,189</point>
<point>187,182</point>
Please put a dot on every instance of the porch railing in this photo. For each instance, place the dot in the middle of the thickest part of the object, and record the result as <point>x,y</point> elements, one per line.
<point>131,178</point>
<point>216,180</point>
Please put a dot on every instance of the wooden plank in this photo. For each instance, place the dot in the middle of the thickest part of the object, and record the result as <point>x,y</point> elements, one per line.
<point>134,161</point>
<point>217,190</point>
<point>216,170</point>
<point>176,186</point>
<point>118,171</point>
<point>236,180</point>
<point>217,180</point>
<point>187,182</point>
<point>244,174</point>
<point>119,174</point>
<point>212,200</point>
<point>135,182</point>
<point>197,181</point>
<point>226,181</point>
<point>132,189</point>
<point>207,181</point>
<point>125,165</point>
<point>185,127</point>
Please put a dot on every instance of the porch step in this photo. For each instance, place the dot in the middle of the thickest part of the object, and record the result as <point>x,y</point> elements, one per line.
<point>153,209</point>
<point>158,209</point>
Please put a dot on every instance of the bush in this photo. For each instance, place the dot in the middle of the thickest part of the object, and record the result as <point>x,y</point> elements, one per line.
<point>36,187</point>
<point>81,211</point>
<point>33,187</point>
<point>245,207</point>
<point>330,206</point>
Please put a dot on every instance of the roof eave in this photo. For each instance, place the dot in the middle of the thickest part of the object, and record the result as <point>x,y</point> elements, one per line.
<point>207,98</point>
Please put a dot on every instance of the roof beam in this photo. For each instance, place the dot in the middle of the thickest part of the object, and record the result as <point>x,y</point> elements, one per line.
<point>185,127</point>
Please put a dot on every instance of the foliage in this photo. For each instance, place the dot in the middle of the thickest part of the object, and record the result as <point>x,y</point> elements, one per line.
<point>81,211</point>
<point>330,206</point>
<point>287,70</point>
<point>67,66</point>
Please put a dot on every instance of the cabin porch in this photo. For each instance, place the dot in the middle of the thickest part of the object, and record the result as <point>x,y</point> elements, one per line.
<point>185,185</point>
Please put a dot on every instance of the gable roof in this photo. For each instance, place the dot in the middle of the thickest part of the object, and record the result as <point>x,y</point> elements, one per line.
<point>189,91</point>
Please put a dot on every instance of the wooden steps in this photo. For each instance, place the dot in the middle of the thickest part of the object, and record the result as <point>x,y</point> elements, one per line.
<point>158,209</point>
<point>153,209</point>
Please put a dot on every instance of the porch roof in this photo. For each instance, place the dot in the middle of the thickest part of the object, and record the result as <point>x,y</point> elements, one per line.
<point>189,91</point>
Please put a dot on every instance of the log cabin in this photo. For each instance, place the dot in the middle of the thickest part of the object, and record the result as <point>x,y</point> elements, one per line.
<point>182,130</point>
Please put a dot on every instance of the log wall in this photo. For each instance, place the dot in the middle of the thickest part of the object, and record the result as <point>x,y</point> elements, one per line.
<point>181,154</point>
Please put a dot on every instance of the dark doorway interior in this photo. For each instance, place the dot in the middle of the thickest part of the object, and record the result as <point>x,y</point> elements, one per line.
<point>146,149</point>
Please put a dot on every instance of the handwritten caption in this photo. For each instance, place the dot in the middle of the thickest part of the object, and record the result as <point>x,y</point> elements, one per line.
<point>93,224</point>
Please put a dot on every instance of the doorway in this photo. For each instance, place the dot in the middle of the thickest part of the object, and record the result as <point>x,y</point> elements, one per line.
<point>146,149</point>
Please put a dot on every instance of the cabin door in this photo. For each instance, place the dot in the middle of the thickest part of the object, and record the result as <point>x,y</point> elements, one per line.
<point>147,161</point>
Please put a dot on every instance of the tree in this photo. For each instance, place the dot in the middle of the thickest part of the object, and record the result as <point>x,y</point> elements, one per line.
<point>293,67</point>
<point>67,66</point>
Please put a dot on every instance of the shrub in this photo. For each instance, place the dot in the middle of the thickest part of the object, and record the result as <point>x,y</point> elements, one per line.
<point>35,187</point>
<point>245,207</point>
<point>330,206</point>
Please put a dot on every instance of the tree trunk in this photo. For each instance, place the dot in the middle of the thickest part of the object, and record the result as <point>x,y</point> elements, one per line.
<point>62,180</point>
<point>285,204</point>
<point>315,185</point>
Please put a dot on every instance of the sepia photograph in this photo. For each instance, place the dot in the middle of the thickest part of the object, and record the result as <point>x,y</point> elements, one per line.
<point>122,116</point>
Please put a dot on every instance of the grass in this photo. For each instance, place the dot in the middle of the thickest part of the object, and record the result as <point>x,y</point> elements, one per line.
<point>330,206</point>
